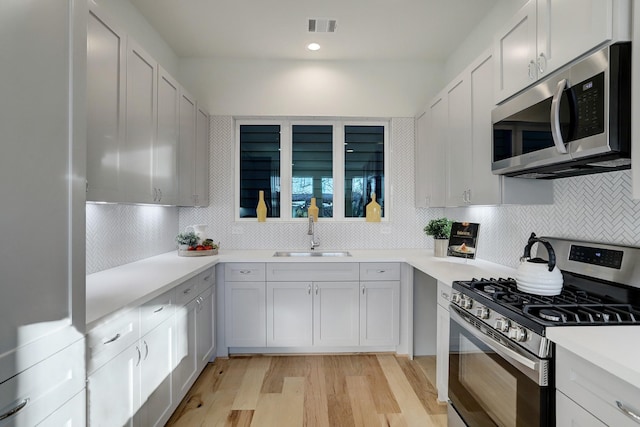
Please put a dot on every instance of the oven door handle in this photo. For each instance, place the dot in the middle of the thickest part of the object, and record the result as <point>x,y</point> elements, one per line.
<point>514,358</point>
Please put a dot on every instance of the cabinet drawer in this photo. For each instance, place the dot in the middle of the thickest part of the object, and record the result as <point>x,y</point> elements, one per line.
<point>244,272</point>
<point>107,340</point>
<point>596,389</point>
<point>444,294</point>
<point>569,413</point>
<point>187,291</point>
<point>379,271</point>
<point>312,271</point>
<point>154,312</point>
<point>41,389</point>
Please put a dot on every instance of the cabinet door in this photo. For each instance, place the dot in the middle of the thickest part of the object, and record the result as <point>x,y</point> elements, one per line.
<point>289,314</point>
<point>515,53</point>
<point>484,185</point>
<point>380,313</point>
<point>71,414</point>
<point>105,108</point>
<point>336,316</point>
<point>187,150</point>
<point>114,391</point>
<point>437,144</point>
<point>202,158</point>
<point>205,327</point>
<point>245,314</point>
<point>155,374</point>
<point>137,157</point>
<point>42,197</point>
<point>442,353</point>
<point>185,371</point>
<point>567,29</point>
<point>421,160</point>
<point>459,153</point>
<point>165,149</point>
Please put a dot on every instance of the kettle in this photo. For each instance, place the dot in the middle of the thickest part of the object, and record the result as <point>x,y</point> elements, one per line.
<point>536,275</point>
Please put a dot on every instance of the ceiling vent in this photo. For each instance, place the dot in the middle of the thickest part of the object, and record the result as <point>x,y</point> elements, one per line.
<point>322,25</point>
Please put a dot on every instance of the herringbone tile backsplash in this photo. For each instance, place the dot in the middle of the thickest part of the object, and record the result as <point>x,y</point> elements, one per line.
<point>597,207</point>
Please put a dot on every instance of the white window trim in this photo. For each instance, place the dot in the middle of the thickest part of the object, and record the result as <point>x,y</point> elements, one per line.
<point>286,124</point>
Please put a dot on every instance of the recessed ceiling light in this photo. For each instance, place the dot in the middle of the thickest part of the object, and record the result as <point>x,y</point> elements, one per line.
<point>313,46</point>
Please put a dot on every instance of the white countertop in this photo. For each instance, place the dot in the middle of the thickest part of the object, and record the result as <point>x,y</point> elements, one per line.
<point>127,286</point>
<point>613,348</point>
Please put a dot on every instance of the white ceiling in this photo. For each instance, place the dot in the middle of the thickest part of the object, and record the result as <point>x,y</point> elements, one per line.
<point>366,29</point>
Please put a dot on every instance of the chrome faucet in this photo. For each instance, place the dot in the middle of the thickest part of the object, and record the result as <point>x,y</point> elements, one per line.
<point>312,232</point>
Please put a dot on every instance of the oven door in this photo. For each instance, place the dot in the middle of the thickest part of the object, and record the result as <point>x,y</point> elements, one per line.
<point>492,381</point>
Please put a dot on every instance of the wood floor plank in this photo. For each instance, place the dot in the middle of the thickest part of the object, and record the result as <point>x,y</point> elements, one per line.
<point>425,391</point>
<point>382,395</point>
<point>415,414</point>
<point>239,418</point>
<point>247,396</point>
<point>316,407</point>
<point>281,409</point>
<point>282,367</point>
<point>362,404</point>
<point>392,420</point>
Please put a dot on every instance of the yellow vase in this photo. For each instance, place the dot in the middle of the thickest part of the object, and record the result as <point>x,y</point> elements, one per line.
<point>313,210</point>
<point>261,210</point>
<point>373,211</point>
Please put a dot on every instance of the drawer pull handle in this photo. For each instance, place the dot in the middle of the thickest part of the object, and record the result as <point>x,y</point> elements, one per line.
<point>382,271</point>
<point>15,410</point>
<point>206,279</point>
<point>445,296</point>
<point>245,271</point>
<point>187,291</point>
<point>635,417</point>
<point>159,309</point>
<point>112,339</point>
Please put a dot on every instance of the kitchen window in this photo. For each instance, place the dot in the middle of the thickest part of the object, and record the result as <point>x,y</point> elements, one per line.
<point>339,162</point>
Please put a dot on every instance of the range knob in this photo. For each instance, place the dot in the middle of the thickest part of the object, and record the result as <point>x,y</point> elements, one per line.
<point>502,324</point>
<point>482,312</point>
<point>466,303</point>
<point>455,298</point>
<point>518,334</point>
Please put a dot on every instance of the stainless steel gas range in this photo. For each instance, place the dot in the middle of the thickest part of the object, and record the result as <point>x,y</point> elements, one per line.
<point>501,367</point>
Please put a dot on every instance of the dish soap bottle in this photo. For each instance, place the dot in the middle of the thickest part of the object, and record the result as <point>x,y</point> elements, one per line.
<point>373,211</point>
<point>261,210</point>
<point>313,210</point>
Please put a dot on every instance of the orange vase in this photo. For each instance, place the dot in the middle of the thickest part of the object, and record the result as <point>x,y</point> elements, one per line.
<point>261,210</point>
<point>313,210</point>
<point>373,210</point>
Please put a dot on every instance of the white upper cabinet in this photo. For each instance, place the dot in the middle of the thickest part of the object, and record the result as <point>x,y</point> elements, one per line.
<point>547,34</point>
<point>187,149</point>
<point>202,158</point>
<point>137,159</point>
<point>459,149</point>
<point>165,148</point>
<point>105,108</point>
<point>431,128</point>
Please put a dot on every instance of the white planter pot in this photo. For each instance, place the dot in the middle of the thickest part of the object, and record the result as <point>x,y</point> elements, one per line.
<point>440,247</point>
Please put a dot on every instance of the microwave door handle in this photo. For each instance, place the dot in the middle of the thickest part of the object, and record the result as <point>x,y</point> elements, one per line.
<point>555,116</point>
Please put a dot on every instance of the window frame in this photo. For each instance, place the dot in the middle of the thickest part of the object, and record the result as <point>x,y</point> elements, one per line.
<point>286,155</point>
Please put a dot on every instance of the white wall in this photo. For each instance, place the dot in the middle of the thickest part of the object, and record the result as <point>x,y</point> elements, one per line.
<point>311,88</point>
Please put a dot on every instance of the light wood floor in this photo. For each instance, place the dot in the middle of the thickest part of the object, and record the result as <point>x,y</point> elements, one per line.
<point>314,391</point>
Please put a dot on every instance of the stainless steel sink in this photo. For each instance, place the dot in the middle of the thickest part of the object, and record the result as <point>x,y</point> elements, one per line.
<point>311,253</point>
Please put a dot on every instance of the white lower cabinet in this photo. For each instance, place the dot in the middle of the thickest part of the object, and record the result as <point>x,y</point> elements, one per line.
<point>319,305</point>
<point>144,362</point>
<point>336,317</point>
<point>71,414</point>
<point>442,341</point>
<point>289,314</point>
<point>589,395</point>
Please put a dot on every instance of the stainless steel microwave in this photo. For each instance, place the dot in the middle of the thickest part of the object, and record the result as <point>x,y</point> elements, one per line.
<point>576,122</point>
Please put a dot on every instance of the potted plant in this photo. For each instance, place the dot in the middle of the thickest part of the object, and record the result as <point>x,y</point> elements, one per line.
<point>439,228</point>
<point>186,239</point>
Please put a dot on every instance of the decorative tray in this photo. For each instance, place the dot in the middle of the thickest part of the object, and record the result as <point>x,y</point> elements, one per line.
<point>198,253</point>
